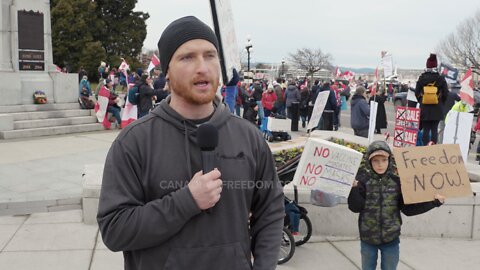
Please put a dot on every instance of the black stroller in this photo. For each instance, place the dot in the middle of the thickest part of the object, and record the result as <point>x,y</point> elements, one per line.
<point>297,225</point>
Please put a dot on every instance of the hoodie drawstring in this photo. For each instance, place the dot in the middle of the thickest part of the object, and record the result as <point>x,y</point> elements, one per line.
<point>187,151</point>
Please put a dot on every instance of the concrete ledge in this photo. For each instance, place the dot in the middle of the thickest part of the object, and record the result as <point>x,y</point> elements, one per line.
<point>457,218</point>
<point>47,205</point>
<point>6,122</point>
<point>93,174</point>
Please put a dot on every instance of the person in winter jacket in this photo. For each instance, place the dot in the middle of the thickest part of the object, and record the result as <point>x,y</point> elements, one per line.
<point>158,206</point>
<point>146,96</point>
<point>280,102</point>
<point>360,112</point>
<point>304,100</point>
<point>326,121</point>
<point>112,102</point>
<point>381,120</point>
<point>431,114</point>
<point>268,100</point>
<point>291,95</point>
<point>376,195</point>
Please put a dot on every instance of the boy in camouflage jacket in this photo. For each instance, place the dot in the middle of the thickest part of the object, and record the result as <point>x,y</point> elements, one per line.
<point>376,195</point>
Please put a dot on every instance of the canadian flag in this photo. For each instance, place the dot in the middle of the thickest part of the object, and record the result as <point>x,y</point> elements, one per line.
<point>337,72</point>
<point>124,66</point>
<point>130,111</point>
<point>466,92</point>
<point>101,107</point>
<point>154,61</point>
<point>348,75</point>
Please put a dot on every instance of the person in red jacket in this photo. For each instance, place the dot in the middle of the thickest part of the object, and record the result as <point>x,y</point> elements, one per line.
<point>268,99</point>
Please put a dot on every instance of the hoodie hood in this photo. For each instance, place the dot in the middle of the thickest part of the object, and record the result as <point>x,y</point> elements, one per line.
<point>375,146</point>
<point>356,98</point>
<point>291,87</point>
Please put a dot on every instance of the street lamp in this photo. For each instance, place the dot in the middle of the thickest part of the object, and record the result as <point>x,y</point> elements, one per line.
<point>249,49</point>
<point>283,70</point>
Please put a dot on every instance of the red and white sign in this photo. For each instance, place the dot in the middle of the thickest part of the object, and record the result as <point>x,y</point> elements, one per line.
<point>407,121</point>
<point>466,92</point>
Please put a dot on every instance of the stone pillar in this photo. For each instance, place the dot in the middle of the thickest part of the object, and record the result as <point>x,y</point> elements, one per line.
<point>5,37</point>
<point>26,64</point>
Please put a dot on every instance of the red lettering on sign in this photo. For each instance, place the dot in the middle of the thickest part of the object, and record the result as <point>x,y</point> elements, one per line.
<point>323,152</point>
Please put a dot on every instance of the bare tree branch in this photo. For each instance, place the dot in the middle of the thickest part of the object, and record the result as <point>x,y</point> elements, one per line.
<point>462,48</point>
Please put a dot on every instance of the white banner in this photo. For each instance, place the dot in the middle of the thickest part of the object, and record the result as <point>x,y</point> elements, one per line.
<point>318,108</point>
<point>227,34</point>
<point>457,130</point>
<point>387,65</point>
<point>372,120</point>
<point>328,167</point>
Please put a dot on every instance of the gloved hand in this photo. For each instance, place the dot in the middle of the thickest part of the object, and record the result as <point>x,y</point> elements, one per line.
<point>235,78</point>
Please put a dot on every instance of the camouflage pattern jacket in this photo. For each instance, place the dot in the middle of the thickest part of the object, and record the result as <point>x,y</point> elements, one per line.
<point>379,200</point>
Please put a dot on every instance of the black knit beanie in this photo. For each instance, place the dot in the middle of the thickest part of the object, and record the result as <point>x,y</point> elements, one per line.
<point>179,32</point>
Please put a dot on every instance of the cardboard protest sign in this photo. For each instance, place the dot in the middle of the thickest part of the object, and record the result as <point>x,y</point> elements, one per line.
<point>457,130</point>
<point>407,121</point>
<point>318,108</point>
<point>328,167</point>
<point>428,170</point>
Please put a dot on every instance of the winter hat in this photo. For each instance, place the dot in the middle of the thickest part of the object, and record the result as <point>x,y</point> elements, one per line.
<point>432,61</point>
<point>179,32</point>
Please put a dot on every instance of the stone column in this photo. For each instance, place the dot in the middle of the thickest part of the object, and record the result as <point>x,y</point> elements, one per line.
<point>5,37</point>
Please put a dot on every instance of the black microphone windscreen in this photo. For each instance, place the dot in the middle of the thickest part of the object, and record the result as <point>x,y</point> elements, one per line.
<point>207,137</point>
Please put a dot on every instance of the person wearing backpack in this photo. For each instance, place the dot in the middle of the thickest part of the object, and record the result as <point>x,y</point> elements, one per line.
<point>146,95</point>
<point>431,92</point>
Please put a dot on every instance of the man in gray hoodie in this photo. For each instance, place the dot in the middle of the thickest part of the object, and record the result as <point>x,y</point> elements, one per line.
<point>156,204</point>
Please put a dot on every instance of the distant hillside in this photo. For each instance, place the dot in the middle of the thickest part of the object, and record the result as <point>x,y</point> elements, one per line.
<point>358,70</point>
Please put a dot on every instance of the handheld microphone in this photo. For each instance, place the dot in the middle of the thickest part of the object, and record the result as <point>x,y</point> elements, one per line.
<point>207,140</point>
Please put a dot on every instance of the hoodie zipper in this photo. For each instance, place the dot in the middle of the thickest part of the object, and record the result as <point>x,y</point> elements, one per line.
<point>381,210</point>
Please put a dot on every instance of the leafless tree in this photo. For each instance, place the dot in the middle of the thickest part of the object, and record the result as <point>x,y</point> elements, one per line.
<point>462,48</point>
<point>310,60</point>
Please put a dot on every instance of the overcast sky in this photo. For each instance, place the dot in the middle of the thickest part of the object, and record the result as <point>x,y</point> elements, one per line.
<point>354,32</point>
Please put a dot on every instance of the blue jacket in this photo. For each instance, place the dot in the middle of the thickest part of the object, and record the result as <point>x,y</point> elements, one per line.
<point>86,84</point>
<point>360,112</point>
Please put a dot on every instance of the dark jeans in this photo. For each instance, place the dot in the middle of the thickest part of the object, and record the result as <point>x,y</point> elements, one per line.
<point>326,121</point>
<point>116,113</point>
<point>430,126</point>
<point>390,254</point>
<point>361,132</point>
<point>336,116</point>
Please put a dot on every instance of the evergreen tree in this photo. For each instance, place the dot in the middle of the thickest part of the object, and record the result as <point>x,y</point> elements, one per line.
<point>124,31</point>
<point>72,27</point>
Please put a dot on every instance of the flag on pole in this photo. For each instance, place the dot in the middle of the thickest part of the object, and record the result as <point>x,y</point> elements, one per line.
<point>466,92</point>
<point>130,112</point>
<point>337,72</point>
<point>154,61</point>
<point>124,66</point>
<point>101,107</point>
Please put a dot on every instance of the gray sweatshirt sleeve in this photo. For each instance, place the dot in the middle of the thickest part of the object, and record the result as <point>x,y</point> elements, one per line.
<point>267,212</point>
<point>128,223</point>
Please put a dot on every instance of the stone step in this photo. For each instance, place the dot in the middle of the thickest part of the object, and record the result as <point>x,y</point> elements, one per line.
<point>19,116</point>
<point>51,122</point>
<point>48,131</point>
<point>39,107</point>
